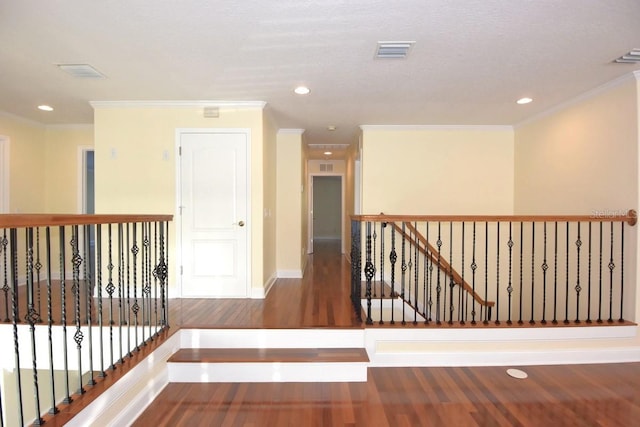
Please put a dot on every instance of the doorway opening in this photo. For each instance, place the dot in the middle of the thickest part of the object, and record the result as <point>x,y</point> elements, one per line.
<point>326,211</point>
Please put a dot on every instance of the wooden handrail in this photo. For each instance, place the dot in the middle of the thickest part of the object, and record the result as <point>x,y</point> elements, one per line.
<point>631,217</point>
<point>43,220</point>
<point>441,263</point>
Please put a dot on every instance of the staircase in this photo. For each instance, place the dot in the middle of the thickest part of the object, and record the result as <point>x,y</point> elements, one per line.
<point>270,355</point>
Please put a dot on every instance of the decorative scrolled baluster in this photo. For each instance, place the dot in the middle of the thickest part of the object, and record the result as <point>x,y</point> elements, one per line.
<point>162,276</point>
<point>155,274</point>
<point>38,266</point>
<point>611,267</point>
<point>474,267</point>
<point>356,275</point>
<point>78,337</point>
<point>127,261</point>
<point>121,275</point>
<point>369,271</point>
<point>416,276</point>
<point>428,316</point>
<point>578,288</point>
<point>393,257</point>
<point>98,284</point>
<point>544,267</point>
<point>110,290</point>
<point>4,242</point>
<point>510,285</point>
<point>403,267</point>
<point>450,273</point>
<point>375,238</point>
<point>147,278</point>
<point>136,307</point>
<point>31,318</point>
<point>438,285</point>
<point>486,272</point>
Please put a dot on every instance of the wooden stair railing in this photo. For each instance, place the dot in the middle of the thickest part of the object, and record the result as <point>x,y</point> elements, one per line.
<point>428,250</point>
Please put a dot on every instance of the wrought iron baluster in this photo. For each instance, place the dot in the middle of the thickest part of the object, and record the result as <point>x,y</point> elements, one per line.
<point>121,318</point>
<point>146,287</point>
<point>88,281</point>
<point>31,318</point>
<point>589,280</point>
<point>510,286</point>
<point>127,261</point>
<point>438,285</point>
<point>63,313</point>
<point>393,257</point>
<point>451,284</point>
<point>578,288</point>
<point>425,283</point>
<point>78,336</point>
<point>621,320</point>
<point>545,267</point>
<point>474,266</point>
<point>416,283</point>
<point>13,244</point>
<point>156,239</point>
<point>533,270</point>
<point>136,307</point>
<point>520,322</point>
<point>54,408</point>
<point>600,279</point>
<point>38,266</point>
<point>101,374</point>
<point>464,303</point>
<point>611,266</point>
<point>555,275</point>
<point>403,267</point>
<point>373,283</point>
<point>497,272</point>
<point>162,275</point>
<point>110,289</point>
<point>382,227</point>
<point>566,291</point>
<point>486,273</point>
<point>430,302</point>
<point>166,278</point>
<point>5,288</point>
<point>369,271</point>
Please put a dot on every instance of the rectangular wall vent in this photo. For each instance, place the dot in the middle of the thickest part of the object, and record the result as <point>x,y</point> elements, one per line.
<point>326,167</point>
<point>393,50</point>
<point>82,71</point>
<point>633,57</point>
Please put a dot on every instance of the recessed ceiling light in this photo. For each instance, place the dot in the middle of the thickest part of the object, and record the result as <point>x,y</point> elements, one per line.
<point>302,90</point>
<point>331,128</point>
<point>328,153</point>
<point>45,108</point>
<point>522,101</point>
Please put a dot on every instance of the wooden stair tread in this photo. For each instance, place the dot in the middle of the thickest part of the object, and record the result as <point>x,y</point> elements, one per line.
<point>269,355</point>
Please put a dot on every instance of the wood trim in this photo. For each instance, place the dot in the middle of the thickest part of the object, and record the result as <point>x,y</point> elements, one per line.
<point>630,217</point>
<point>42,220</point>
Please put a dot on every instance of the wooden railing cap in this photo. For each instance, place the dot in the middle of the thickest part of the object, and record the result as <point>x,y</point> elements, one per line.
<point>43,220</point>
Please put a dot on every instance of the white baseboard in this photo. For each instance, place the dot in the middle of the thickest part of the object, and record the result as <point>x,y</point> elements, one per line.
<point>289,274</point>
<point>257,293</point>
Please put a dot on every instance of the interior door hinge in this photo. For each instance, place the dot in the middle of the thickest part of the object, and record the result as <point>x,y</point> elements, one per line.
<point>181,270</point>
<point>180,151</point>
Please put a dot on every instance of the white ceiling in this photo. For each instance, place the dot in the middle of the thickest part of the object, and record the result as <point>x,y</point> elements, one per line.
<point>472,58</point>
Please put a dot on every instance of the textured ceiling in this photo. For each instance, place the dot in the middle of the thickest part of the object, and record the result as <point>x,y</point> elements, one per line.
<point>472,58</point>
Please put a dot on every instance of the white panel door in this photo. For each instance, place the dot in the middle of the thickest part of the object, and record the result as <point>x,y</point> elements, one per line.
<point>213,193</point>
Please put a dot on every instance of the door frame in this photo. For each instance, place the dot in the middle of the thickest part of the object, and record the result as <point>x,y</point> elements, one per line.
<point>4,171</point>
<point>310,209</point>
<point>178,215</point>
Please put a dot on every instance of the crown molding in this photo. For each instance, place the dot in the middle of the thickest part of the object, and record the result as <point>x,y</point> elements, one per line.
<point>625,78</point>
<point>23,120</point>
<point>291,131</point>
<point>238,105</point>
<point>436,127</point>
<point>71,126</point>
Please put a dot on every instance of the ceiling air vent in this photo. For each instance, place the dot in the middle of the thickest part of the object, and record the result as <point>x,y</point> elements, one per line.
<point>82,71</point>
<point>326,167</point>
<point>633,57</point>
<point>393,50</point>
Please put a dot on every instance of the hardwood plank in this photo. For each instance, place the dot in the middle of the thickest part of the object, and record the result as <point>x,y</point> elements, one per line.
<point>240,355</point>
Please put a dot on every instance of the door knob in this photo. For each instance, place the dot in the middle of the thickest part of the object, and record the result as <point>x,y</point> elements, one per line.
<point>241,223</point>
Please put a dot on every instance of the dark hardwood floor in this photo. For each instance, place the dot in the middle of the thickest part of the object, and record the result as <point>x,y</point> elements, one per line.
<point>575,395</point>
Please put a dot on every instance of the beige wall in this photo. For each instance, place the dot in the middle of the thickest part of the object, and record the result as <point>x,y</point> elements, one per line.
<point>581,159</point>
<point>289,255</point>
<point>26,164</point>
<point>304,206</point>
<point>136,165</point>
<point>430,170</point>
<point>63,162</point>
